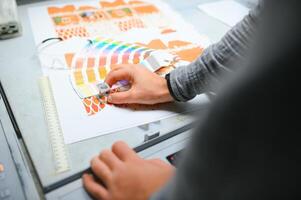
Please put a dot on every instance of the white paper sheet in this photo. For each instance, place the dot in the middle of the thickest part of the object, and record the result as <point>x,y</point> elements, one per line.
<point>228,11</point>
<point>76,124</point>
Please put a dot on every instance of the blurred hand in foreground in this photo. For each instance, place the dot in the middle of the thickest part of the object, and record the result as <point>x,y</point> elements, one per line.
<point>124,175</point>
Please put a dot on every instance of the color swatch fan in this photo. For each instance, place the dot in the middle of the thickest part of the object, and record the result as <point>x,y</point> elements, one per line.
<point>90,66</point>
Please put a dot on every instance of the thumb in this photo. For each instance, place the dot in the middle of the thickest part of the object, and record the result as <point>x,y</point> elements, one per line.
<point>120,97</point>
<point>117,75</point>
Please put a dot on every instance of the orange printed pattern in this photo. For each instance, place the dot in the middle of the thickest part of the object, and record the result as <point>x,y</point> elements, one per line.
<point>65,20</point>
<point>168,30</point>
<point>64,9</point>
<point>72,32</point>
<point>93,105</point>
<point>147,9</point>
<point>113,4</point>
<point>120,13</point>
<point>186,51</point>
<point>121,16</point>
<point>130,24</point>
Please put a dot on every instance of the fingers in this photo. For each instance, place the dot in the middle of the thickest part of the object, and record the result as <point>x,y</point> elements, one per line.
<point>120,97</point>
<point>109,158</point>
<point>101,170</point>
<point>123,151</point>
<point>95,189</point>
<point>117,75</point>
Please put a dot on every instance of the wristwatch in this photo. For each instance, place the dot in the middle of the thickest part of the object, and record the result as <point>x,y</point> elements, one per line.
<point>167,77</point>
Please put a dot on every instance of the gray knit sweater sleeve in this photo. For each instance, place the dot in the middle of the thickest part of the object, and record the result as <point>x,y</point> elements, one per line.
<point>188,81</point>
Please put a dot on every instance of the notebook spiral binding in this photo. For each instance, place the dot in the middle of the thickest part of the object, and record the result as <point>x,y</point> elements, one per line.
<point>54,128</point>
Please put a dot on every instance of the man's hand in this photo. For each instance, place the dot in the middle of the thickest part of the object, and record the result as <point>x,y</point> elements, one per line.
<point>146,87</point>
<point>125,175</point>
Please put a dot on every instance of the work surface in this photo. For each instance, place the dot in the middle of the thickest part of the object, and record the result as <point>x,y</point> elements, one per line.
<point>19,74</point>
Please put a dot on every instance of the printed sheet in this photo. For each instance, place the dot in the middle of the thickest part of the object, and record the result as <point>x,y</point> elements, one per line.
<point>94,35</point>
